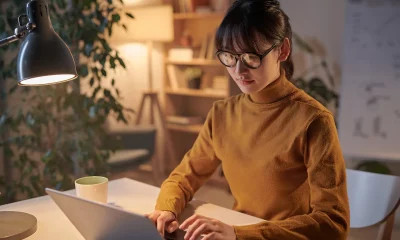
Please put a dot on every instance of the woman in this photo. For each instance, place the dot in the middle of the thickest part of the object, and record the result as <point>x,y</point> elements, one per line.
<point>278,147</point>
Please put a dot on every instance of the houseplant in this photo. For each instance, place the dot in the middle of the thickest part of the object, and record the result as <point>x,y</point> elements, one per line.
<point>52,134</point>
<point>193,77</point>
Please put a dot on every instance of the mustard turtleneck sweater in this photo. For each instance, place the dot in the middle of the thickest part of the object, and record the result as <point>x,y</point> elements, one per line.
<point>282,160</point>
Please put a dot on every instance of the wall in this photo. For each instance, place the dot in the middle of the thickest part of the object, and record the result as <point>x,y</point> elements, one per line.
<point>320,23</point>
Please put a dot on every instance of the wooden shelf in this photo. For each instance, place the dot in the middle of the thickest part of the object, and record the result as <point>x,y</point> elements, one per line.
<point>196,62</point>
<point>195,93</point>
<point>183,16</point>
<point>195,128</point>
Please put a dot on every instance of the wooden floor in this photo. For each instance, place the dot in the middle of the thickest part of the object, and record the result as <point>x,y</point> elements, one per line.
<point>221,197</point>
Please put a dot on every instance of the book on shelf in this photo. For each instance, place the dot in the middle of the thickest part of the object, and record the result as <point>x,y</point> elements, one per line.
<point>211,48</point>
<point>176,77</point>
<point>185,120</point>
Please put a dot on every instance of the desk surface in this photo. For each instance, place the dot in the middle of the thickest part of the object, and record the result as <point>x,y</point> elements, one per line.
<point>131,195</point>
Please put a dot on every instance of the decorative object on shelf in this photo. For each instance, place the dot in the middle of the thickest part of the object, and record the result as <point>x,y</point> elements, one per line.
<point>51,134</point>
<point>203,48</point>
<point>193,77</point>
<point>186,40</point>
<point>180,54</point>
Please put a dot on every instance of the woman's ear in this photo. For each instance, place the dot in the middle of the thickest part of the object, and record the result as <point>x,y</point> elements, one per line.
<point>284,50</point>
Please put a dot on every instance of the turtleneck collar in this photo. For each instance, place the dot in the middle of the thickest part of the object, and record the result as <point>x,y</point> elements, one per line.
<point>275,92</point>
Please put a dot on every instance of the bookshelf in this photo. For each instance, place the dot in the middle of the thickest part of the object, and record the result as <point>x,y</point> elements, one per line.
<point>183,101</point>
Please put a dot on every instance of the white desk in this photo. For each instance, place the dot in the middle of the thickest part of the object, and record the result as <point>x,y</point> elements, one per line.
<point>131,195</point>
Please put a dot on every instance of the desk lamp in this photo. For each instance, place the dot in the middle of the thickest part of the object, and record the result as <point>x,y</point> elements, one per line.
<point>43,59</point>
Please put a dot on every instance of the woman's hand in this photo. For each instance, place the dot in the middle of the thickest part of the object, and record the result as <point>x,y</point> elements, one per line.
<point>164,220</point>
<point>211,229</point>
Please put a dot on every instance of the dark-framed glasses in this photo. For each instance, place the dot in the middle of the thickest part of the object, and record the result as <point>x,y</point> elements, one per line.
<point>251,60</point>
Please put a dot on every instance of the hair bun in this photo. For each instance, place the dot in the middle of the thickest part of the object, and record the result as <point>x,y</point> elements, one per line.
<point>273,3</point>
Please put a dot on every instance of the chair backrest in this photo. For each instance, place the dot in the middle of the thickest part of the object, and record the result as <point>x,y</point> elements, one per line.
<point>138,137</point>
<point>373,197</point>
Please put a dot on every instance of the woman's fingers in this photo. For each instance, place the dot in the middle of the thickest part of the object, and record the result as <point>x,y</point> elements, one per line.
<point>173,226</point>
<point>202,229</point>
<point>190,221</point>
<point>198,225</point>
<point>161,221</point>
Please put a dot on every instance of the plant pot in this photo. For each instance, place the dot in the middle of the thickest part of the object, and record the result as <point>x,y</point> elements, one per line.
<point>194,83</point>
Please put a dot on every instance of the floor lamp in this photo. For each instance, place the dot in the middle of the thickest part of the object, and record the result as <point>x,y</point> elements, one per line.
<point>151,24</point>
<point>43,59</point>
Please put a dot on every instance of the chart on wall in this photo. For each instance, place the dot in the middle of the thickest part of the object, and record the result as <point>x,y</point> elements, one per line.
<point>369,113</point>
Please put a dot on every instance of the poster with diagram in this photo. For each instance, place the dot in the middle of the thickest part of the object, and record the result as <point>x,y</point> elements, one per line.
<point>369,112</point>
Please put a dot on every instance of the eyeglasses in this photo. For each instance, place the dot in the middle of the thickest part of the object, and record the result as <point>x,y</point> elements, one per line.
<point>251,60</point>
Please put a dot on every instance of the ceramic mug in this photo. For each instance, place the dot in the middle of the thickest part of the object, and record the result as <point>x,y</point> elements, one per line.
<point>94,188</point>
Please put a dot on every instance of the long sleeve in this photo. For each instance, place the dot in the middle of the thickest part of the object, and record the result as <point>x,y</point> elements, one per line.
<point>329,216</point>
<point>196,167</point>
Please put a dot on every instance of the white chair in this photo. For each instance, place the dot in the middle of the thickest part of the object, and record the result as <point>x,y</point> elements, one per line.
<point>374,199</point>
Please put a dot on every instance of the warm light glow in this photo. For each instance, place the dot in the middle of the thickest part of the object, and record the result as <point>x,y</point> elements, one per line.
<point>45,80</point>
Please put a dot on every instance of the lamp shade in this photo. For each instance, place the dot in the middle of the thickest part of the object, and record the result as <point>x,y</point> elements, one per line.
<point>43,58</point>
<point>151,23</point>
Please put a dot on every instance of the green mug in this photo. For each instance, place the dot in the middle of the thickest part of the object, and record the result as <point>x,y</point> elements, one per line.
<point>93,188</point>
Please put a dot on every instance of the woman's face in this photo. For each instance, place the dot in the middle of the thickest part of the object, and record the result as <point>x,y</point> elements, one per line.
<point>254,80</point>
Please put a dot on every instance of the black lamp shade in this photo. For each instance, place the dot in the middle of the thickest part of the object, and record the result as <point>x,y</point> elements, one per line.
<point>43,58</point>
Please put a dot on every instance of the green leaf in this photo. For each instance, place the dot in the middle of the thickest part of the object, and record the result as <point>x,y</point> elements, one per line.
<point>8,153</point>
<point>96,91</point>
<point>103,72</point>
<point>13,88</point>
<point>91,82</point>
<point>116,17</point>
<point>302,44</point>
<point>110,30</point>
<point>112,63</point>
<point>83,71</point>
<point>88,49</point>
<point>121,62</point>
<point>129,15</point>
<point>107,93</point>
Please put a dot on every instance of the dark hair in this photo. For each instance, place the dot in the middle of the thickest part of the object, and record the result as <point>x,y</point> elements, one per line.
<point>251,23</point>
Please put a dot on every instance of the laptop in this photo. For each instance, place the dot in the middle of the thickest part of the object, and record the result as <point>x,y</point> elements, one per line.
<point>97,221</point>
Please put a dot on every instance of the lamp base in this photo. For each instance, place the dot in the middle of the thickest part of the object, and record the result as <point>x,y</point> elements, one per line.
<point>16,225</point>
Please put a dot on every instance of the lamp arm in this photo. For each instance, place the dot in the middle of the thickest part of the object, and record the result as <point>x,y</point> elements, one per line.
<point>19,32</point>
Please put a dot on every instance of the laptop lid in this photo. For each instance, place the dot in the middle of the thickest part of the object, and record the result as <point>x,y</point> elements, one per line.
<point>97,221</point>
